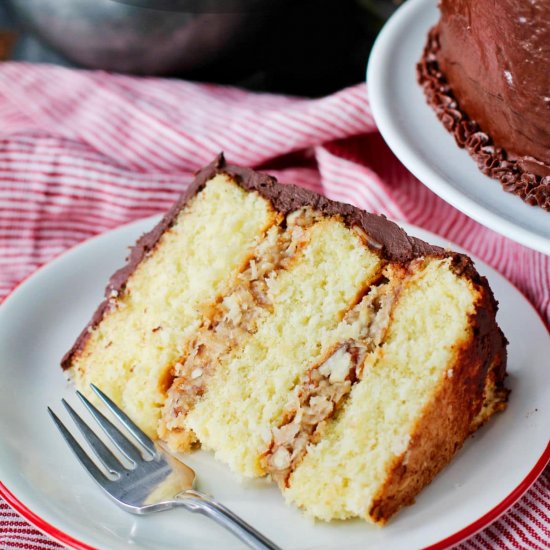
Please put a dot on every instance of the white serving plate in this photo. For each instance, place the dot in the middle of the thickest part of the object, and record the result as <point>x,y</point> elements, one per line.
<point>41,478</point>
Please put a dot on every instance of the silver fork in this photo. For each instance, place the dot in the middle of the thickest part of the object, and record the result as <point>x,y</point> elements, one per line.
<point>153,480</point>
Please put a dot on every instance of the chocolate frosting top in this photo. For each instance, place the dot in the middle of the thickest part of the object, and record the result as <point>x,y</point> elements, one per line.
<point>383,236</point>
<point>496,56</point>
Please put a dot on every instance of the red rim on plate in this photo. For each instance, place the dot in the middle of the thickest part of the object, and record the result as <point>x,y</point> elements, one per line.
<point>455,538</point>
<point>39,523</point>
<point>499,509</point>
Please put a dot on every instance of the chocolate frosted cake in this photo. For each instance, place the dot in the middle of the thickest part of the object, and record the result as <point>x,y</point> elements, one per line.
<point>299,338</point>
<point>486,72</point>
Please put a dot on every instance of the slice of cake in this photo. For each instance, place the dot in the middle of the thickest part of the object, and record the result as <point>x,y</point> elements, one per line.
<point>486,72</point>
<point>299,338</point>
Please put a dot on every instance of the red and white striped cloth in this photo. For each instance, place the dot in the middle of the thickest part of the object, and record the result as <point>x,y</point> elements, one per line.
<point>83,152</point>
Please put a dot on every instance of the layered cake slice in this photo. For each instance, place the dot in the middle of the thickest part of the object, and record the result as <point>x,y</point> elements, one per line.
<point>299,338</point>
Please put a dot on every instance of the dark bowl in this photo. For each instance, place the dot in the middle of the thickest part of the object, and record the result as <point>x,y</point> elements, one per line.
<point>127,36</point>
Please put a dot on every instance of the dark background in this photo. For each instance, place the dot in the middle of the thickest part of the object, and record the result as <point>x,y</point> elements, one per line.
<point>310,47</point>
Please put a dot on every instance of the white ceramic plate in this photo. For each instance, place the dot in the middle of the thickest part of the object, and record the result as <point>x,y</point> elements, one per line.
<point>420,141</point>
<point>42,479</point>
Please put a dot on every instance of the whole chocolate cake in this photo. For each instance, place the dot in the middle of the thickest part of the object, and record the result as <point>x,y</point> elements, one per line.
<point>486,72</point>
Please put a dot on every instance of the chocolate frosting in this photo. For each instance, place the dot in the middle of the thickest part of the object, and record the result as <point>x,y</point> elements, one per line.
<point>485,72</point>
<point>383,236</point>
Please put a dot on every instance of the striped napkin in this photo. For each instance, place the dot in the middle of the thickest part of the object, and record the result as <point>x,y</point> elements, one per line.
<point>83,152</point>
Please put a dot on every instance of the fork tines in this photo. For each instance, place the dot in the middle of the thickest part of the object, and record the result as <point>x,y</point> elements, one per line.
<point>146,486</point>
<point>134,450</point>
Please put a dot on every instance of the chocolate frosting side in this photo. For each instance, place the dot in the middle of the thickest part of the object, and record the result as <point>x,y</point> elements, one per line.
<point>516,175</point>
<point>383,236</point>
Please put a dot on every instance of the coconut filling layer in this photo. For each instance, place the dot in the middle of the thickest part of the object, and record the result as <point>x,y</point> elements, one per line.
<point>160,306</point>
<point>325,387</point>
<point>228,323</point>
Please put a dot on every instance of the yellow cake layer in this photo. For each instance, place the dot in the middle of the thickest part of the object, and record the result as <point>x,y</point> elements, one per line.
<point>323,389</point>
<point>230,323</point>
<point>340,476</point>
<point>245,397</point>
<point>129,352</point>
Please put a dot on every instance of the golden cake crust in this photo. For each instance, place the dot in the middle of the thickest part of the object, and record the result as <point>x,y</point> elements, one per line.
<point>475,382</point>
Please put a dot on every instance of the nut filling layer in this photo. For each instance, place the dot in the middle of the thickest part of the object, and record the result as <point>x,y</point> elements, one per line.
<point>325,387</point>
<point>229,321</point>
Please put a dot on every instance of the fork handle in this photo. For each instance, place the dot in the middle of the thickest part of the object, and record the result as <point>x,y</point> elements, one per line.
<point>195,501</point>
